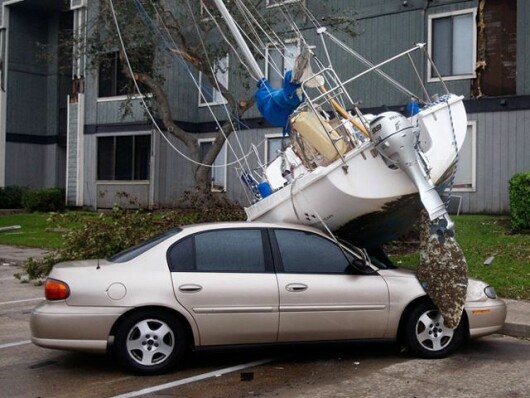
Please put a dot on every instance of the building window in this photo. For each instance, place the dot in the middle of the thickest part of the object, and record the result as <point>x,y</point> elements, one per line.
<point>208,94</point>
<point>465,177</point>
<point>273,146</point>
<point>124,158</point>
<point>280,60</point>
<point>452,44</point>
<point>218,172</point>
<point>111,80</point>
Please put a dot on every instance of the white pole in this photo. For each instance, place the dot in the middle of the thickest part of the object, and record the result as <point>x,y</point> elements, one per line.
<point>258,74</point>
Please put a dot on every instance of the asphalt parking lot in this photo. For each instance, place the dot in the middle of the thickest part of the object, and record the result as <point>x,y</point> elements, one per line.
<point>495,366</point>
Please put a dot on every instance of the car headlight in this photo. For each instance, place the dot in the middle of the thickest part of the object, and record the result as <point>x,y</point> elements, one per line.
<point>475,290</point>
<point>479,291</point>
<point>490,292</point>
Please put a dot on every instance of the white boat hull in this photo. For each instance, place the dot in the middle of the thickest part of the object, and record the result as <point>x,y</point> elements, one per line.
<point>363,183</point>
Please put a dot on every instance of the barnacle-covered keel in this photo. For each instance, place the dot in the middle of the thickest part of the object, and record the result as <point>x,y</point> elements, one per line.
<point>442,271</point>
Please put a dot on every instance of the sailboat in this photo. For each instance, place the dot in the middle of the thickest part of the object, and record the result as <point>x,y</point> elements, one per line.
<point>358,175</point>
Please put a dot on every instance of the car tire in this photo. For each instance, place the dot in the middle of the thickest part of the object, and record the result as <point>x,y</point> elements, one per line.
<point>150,342</point>
<point>426,334</point>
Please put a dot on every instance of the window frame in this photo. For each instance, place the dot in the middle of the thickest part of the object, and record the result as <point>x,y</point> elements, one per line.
<point>224,153</point>
<point>115,79</point>
<point>270,46</point>
<point>216,101</point>
<point>120,97</point>
<point>433,77</point>
<point>149,165</point>
<point>272,136</point>
<point>265,242</point>
<point>473,125</point>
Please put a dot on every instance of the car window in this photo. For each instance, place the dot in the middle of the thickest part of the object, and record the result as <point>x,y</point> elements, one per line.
<point>305,252</point>
<point>226,250</point>
<point>135,251</point>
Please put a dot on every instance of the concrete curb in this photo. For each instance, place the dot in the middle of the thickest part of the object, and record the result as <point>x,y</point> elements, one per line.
<point>516,330</point>
<point>518,318</point>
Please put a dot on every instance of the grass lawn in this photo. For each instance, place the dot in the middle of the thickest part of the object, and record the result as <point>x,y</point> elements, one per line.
<point>480,237</point>
<point>33,231</point>
<point>484,236</point>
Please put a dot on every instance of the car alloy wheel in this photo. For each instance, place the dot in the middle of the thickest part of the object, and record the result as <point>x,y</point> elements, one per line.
<point>427,336</point>
<point>150,342</point>
<point>431,332</point>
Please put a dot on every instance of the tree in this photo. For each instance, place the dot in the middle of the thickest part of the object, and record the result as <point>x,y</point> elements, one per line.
<point>188,29</point>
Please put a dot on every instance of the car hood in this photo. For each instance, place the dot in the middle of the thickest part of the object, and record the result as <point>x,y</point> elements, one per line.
<point>398,272</point>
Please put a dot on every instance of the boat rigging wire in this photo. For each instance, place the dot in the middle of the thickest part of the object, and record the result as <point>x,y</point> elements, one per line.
<point>272,37</point>
<point>218,88</point>
<point>142,99</point>
<point>238,161</point>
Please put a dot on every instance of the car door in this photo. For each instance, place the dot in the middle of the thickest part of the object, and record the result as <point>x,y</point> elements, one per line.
<point>319,300</point>
<point>225,279</point>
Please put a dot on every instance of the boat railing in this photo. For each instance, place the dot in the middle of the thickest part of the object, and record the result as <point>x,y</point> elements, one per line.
<point>334,97</point>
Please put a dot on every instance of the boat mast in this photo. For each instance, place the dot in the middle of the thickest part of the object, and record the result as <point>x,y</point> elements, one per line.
<point>258,74</point>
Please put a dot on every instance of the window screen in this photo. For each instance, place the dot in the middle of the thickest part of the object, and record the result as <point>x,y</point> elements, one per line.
<point>304,252</point>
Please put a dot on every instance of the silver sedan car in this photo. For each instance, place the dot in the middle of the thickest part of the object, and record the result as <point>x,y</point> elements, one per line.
<point>244,283</point>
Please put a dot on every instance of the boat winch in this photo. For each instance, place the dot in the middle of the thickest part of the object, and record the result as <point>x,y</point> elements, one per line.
<point>396,139</point>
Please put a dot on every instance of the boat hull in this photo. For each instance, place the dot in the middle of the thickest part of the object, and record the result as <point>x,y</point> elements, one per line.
<point>362,197</point>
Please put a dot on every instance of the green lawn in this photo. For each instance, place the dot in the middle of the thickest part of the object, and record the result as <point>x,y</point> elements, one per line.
<point>480,237</point>
<point>35,230</point>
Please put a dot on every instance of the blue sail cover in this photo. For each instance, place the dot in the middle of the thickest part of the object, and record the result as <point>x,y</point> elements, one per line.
<point>277,104</point>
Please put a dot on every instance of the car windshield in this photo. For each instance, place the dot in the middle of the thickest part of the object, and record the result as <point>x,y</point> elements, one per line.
<point>135,251</point>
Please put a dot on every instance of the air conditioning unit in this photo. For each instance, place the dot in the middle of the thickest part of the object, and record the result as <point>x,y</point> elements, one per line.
<point>77,4</point>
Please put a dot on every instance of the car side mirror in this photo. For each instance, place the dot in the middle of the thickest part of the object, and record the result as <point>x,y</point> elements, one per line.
<point>356,266</point>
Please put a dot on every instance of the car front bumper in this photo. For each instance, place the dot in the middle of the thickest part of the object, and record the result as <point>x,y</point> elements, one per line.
<point>54,324</point>
<point>485,317</point>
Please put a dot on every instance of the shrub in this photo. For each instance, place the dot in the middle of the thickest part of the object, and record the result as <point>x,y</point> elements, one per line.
<point>47,199</point>
<point>11,197</point>
<point>106,234</point>
<point>520,201</point>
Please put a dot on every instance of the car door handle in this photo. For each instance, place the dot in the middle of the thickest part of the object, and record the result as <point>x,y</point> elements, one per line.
<point>296,287</point>
<point>190,288</point>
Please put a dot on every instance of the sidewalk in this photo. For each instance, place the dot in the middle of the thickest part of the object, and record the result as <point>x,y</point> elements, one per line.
<point>16,255</point>
<point>517,321</point>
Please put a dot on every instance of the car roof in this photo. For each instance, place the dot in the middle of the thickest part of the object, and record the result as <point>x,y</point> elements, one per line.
<point>247,224</point>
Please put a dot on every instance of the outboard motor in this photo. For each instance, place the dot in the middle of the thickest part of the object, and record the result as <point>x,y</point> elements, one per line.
<point>395,139</point>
